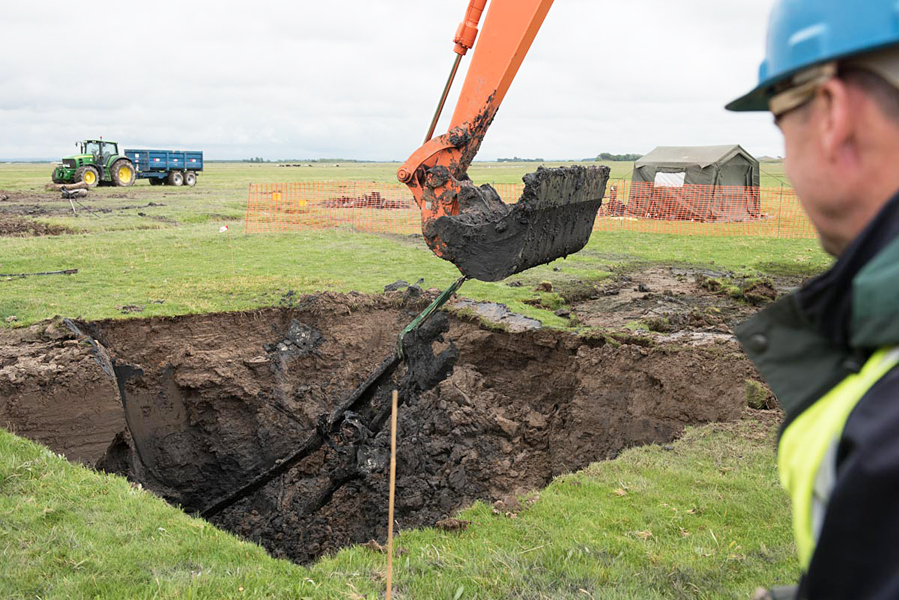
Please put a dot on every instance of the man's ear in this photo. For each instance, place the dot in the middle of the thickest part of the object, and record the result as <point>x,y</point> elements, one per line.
<point>836,125</point>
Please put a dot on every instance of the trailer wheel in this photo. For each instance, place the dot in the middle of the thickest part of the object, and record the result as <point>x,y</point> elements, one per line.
<point>174,178</point>
<point>156,181</point>
<point>89,175</point>
<point>122,172</point>
<point>190,178</point>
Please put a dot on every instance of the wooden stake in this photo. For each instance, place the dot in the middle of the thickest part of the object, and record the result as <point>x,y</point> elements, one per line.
<point>391,493</point>
<point>231,244</point>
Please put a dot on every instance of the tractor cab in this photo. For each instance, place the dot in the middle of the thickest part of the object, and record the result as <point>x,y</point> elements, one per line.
<point>100,150</point>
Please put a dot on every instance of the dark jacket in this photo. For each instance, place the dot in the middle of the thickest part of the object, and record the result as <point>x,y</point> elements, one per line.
<point>804,345</point>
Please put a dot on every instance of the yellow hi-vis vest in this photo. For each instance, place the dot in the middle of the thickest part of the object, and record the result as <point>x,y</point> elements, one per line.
<point>807,453</point>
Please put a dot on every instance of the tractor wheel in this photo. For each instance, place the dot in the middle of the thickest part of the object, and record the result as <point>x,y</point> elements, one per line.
<point>174,178</point>
<point>156,181</point>
<point>56,178</point>
<point>122,172</point>
<point>190,179</point>
<point>89,175</point>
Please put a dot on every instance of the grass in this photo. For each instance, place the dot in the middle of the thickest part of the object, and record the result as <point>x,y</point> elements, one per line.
<point>173,260</point>
<point>702,518</point>
<point>190,269</point>
<point>220,194</point>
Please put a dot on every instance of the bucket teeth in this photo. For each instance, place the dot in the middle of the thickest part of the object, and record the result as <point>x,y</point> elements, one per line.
<point>490,240</point>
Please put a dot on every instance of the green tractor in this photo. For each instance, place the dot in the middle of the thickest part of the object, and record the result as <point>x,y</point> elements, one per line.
<point>98,162</point>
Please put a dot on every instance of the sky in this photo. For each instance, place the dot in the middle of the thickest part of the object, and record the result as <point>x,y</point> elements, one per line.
<point>360,79</point>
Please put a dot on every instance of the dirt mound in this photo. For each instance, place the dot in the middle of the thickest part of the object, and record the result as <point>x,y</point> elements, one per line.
<point>229,395</point>
<point>53,391</point>
<point>18,226</point>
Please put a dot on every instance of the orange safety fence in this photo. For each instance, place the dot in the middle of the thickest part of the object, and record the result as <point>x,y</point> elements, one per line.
<point>355,205</point>
<point>371,207</point>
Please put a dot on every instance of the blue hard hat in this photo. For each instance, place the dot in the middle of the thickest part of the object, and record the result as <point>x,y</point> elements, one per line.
<point>803,33</point>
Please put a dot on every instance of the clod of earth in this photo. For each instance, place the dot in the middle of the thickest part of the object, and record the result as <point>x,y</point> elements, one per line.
<point>224,397</point>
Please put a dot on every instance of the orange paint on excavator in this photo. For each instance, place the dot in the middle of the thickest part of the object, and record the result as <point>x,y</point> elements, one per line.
<point>436,173</point>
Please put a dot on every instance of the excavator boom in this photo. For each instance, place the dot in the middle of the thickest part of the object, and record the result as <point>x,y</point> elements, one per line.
<point>510,27</point>
<point>470,226</point>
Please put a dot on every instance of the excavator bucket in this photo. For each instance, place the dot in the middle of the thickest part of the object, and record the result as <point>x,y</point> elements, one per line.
<point>490,240</point>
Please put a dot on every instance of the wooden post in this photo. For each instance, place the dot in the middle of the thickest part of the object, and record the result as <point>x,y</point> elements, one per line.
<point>391,494</point>
<point>780,207</point>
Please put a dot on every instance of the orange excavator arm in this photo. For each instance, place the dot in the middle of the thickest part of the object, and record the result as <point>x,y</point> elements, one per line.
<point>509,29</point>
<point>436,173</point>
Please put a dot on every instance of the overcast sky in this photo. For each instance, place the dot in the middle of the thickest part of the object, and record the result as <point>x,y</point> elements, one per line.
<point>360,78</point>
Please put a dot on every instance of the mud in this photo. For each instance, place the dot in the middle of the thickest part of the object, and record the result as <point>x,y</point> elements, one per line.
<point>228,396</point>
<point>20,227</point>
<point>498,314</point>
<point>42,210</point>
<point>490,240</point>
<point>688,304</point>
<point>20,204</point>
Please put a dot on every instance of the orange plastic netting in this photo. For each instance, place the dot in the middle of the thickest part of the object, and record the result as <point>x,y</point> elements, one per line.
<point>631,206</point>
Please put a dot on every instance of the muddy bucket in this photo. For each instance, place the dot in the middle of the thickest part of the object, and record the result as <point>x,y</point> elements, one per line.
<point>490,240</point>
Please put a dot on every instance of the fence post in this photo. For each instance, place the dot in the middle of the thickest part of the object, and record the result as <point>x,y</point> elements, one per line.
<point>780,204</point>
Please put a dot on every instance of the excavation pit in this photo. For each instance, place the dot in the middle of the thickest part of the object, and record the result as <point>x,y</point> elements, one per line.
<point>226,396</point>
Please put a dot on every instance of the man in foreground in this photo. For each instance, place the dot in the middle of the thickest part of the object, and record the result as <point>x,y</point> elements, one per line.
<point>829,351</point>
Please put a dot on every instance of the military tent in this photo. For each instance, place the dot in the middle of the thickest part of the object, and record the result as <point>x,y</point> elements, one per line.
<point>696,183</point>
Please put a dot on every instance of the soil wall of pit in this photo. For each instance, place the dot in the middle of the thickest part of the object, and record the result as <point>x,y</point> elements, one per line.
<point>228,395</point>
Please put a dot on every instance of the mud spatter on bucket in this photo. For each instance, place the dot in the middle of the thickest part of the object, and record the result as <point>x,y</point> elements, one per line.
<point>490,240</point>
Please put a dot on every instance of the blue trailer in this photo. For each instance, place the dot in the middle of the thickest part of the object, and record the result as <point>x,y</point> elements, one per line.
<point>172,167</point>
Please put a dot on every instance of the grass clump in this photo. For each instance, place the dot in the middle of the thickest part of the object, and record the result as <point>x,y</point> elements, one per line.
<point>758,396</point>
<point>659,324</point>
<point>752,290</point>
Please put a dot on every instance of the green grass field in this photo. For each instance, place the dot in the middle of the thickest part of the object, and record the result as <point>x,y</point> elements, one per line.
<point>222,188</point>
<point>173,260</point>
<point>705,519</point>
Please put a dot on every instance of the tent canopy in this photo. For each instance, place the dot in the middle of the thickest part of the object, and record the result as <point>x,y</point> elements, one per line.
<point>691,156</point>
<point>704,183</point>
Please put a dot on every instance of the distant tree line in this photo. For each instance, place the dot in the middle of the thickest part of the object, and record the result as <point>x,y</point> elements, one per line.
<point>622,157</point>
<point>517,159</point>
<point>259,159</point>
<point>334,160</point>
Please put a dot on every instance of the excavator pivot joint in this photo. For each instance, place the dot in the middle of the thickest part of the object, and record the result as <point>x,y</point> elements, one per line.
<point>404,175</point>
